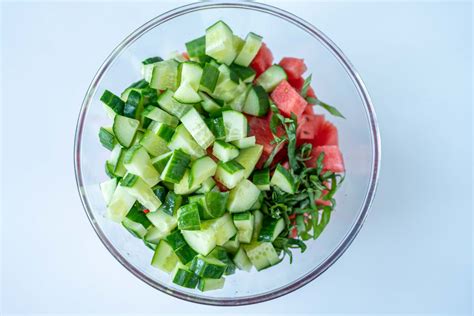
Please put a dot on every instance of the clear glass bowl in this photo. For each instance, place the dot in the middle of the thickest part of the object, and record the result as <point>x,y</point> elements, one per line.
<point>335,80</point>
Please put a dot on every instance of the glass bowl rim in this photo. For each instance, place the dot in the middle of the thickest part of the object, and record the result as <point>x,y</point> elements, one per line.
<point>363,93</point>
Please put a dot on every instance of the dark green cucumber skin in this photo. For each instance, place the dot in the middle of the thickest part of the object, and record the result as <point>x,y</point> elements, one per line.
<point>186,278</point>
<point>263,100</point>
<point>152,60</point>
<point>129,180</point>
<point>286,174</point>
<point>179,162</point>
<point>242,72</point>
<point>216,203</point>
<point>176,240</point>
<point>196,47</point>
<point>244,216</point>
<point>188,218</point>
<point>160,165</point>
<point>216,125</point>
<point>268,227</point>
<point>185,254</point>
<point>171,203</point>
<point>109,170</point>
<point>182,250</point>
<point>261,177</point>
<point>231,166</point>
<point>160,192</point>
<point>137,215</point>
<point>140,84</point>
<point>107,139</point>
<point>221,254</point>
<point>209,77</point>
<point>205,270</point>
<point>113,101</point>
<point>134,105</point>
<point>166,132</point>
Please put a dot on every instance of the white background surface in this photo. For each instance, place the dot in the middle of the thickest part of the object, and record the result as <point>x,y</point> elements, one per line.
<point>414,254</point>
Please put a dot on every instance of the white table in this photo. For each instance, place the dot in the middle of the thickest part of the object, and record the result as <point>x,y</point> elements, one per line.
<point>416,60</point>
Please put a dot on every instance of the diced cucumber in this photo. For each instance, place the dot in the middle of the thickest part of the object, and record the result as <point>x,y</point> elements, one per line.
<point>168,103</point>
<point>271,78</point>
<point>164,257</point>
<point>150,245</point>
<point>238,43</point>
<point>163,225</point>
<point>261,255</point>
<point>202,241</point>
<point>160,192</point>
<point>235,125</point>
<point>283,179</point>
<point>183,186</point>
<point>221,254</point>
<point>230,173</point>
<point>162,130</point>
<point>147,67</point>
<point>196,47</point>
<point>207,267</point>
<point>248,158</point>
<point>176,166</point>
<point>108,188</point>
<point>201,170</point>
<point>137,161</point>
<point>238,101</point>
<point>125,129</point>
<point>216,125</point>
<point>134,106</point>
<point>208,104</point>
<point>113,104</point>
<point>156,114</point>
<point>183,140</point>
<point>186,94</point>
<point>182,250</point>
<point>245,224</point>
<point>206,284</point>
<point>153,144</point>
<point>197,128</point>
<point>246,74</point>
<point>139,189</point>
<point>242,261</point>
<point>253,42</point>
<point>160,162</point>
<point>115,162</point>
<point>245,142</point>
<point>257,102</point>
<point>271,228</point>
<point>209,78</point>
<point>136,221</point>
<point>191,73</point>
<point>216,203</point>
<point>258,204</point>
<point>226,87</point>
<point>171,203</point>
<point>232,245</point>
<point>188,217</point>
<point>261,178</point>
<point>258,221</point>
<point>120,204</point>
<point>242,197</point>
<point>177,56</point>
<point>107,138</point>
<point>184,277</point>
<point>207,185</point>
<point>224,228</point>
<point>220,43</point>
<point>164,75</point>
<point>224,151</point>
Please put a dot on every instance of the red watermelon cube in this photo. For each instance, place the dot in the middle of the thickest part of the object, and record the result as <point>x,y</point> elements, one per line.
<point>262,61</point>
<point>310,92</point>
<point>288,100</point>
<point>332,160</point>
<point>326,134</point>
<point>308,126</point>
<point>296,83</point>
<point>294,67</point>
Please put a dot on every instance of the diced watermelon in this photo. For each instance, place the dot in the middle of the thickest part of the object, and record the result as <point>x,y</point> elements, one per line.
<point>260,128</point>
<point>326,134</point>
<point>321,201</point>
<point>308,127</point>
<point>262,61</point>
<point>294,67</point>
<point>288,100</point>
<point>308,110</point>
<point>332,158</point>
<point>310,92</point>
<point>296,83</point>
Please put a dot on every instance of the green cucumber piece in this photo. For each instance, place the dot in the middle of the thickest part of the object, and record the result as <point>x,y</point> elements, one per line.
<point>235,125</point>
<point>183,140</point>
<point>258,222</point>
<point>224,151</point>
<point>158,115</point>
<point>182,276</point>
<point>216,203</point>
<point>162,130</point>
<point>220,253</point>
<point>271,228</point>
<point>136,221</point>
<point>207,267</point>
<point>188,217</point>
<point>183,186</point>
<point>107,138</point>
<point>167,102</point>
<point>232,245</point>
<point>107,188</point>
<point>271,78</point>
<point>160,192</point>
<point>224,229</point>
<point>201,170</point>
<point>112,104</point>
<point>134,106</point>
<point>205,284</point>
<point>246,74</point>
<point>283,179</point>
<point>164,257</point>
<point>238,43</point>
<point>216,125</point>
<point>242,261</point>
<point>238,101</point>
<point>160,162</point>
<point>139,189</point>
<point>207,185</point>
<point>257,102</point>
<point>209,78</point>
<point>245,224</point>
<point>153,144</point>
<point>227,86</point>
<point>190,72</point>
<point>242,197</point>
<point>253,42</point>
<point>261,255</point>
<point>248,158</point>
<point>197,128</point>
<point>196,47</point>
<point>147,67</point>
<point>230,173</point>
<point>137,161</point>
<point>258,204</point>
<point>220,43</point>
<point>121,202</point>
<point>164,75</point>
<point>208,104</point>
<point>176,166</point>
<point>202,241</point>
<point>124,129</point>
<point>171,203</point>
<point>261,178</point>
<point>182,250</point>
<point>245,142</point>
<point>186,94</point>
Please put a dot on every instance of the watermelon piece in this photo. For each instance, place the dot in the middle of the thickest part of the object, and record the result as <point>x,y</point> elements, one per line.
<point>308,110</point>
<point>332,161</point>
<point>296,83</point>
<point>260,128</point>
<point>310,92</point>
<point>326,134</point>
<point>294,67</point>
<point>288,100</point>
<point>308,127</point>
<point>262,61</point>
